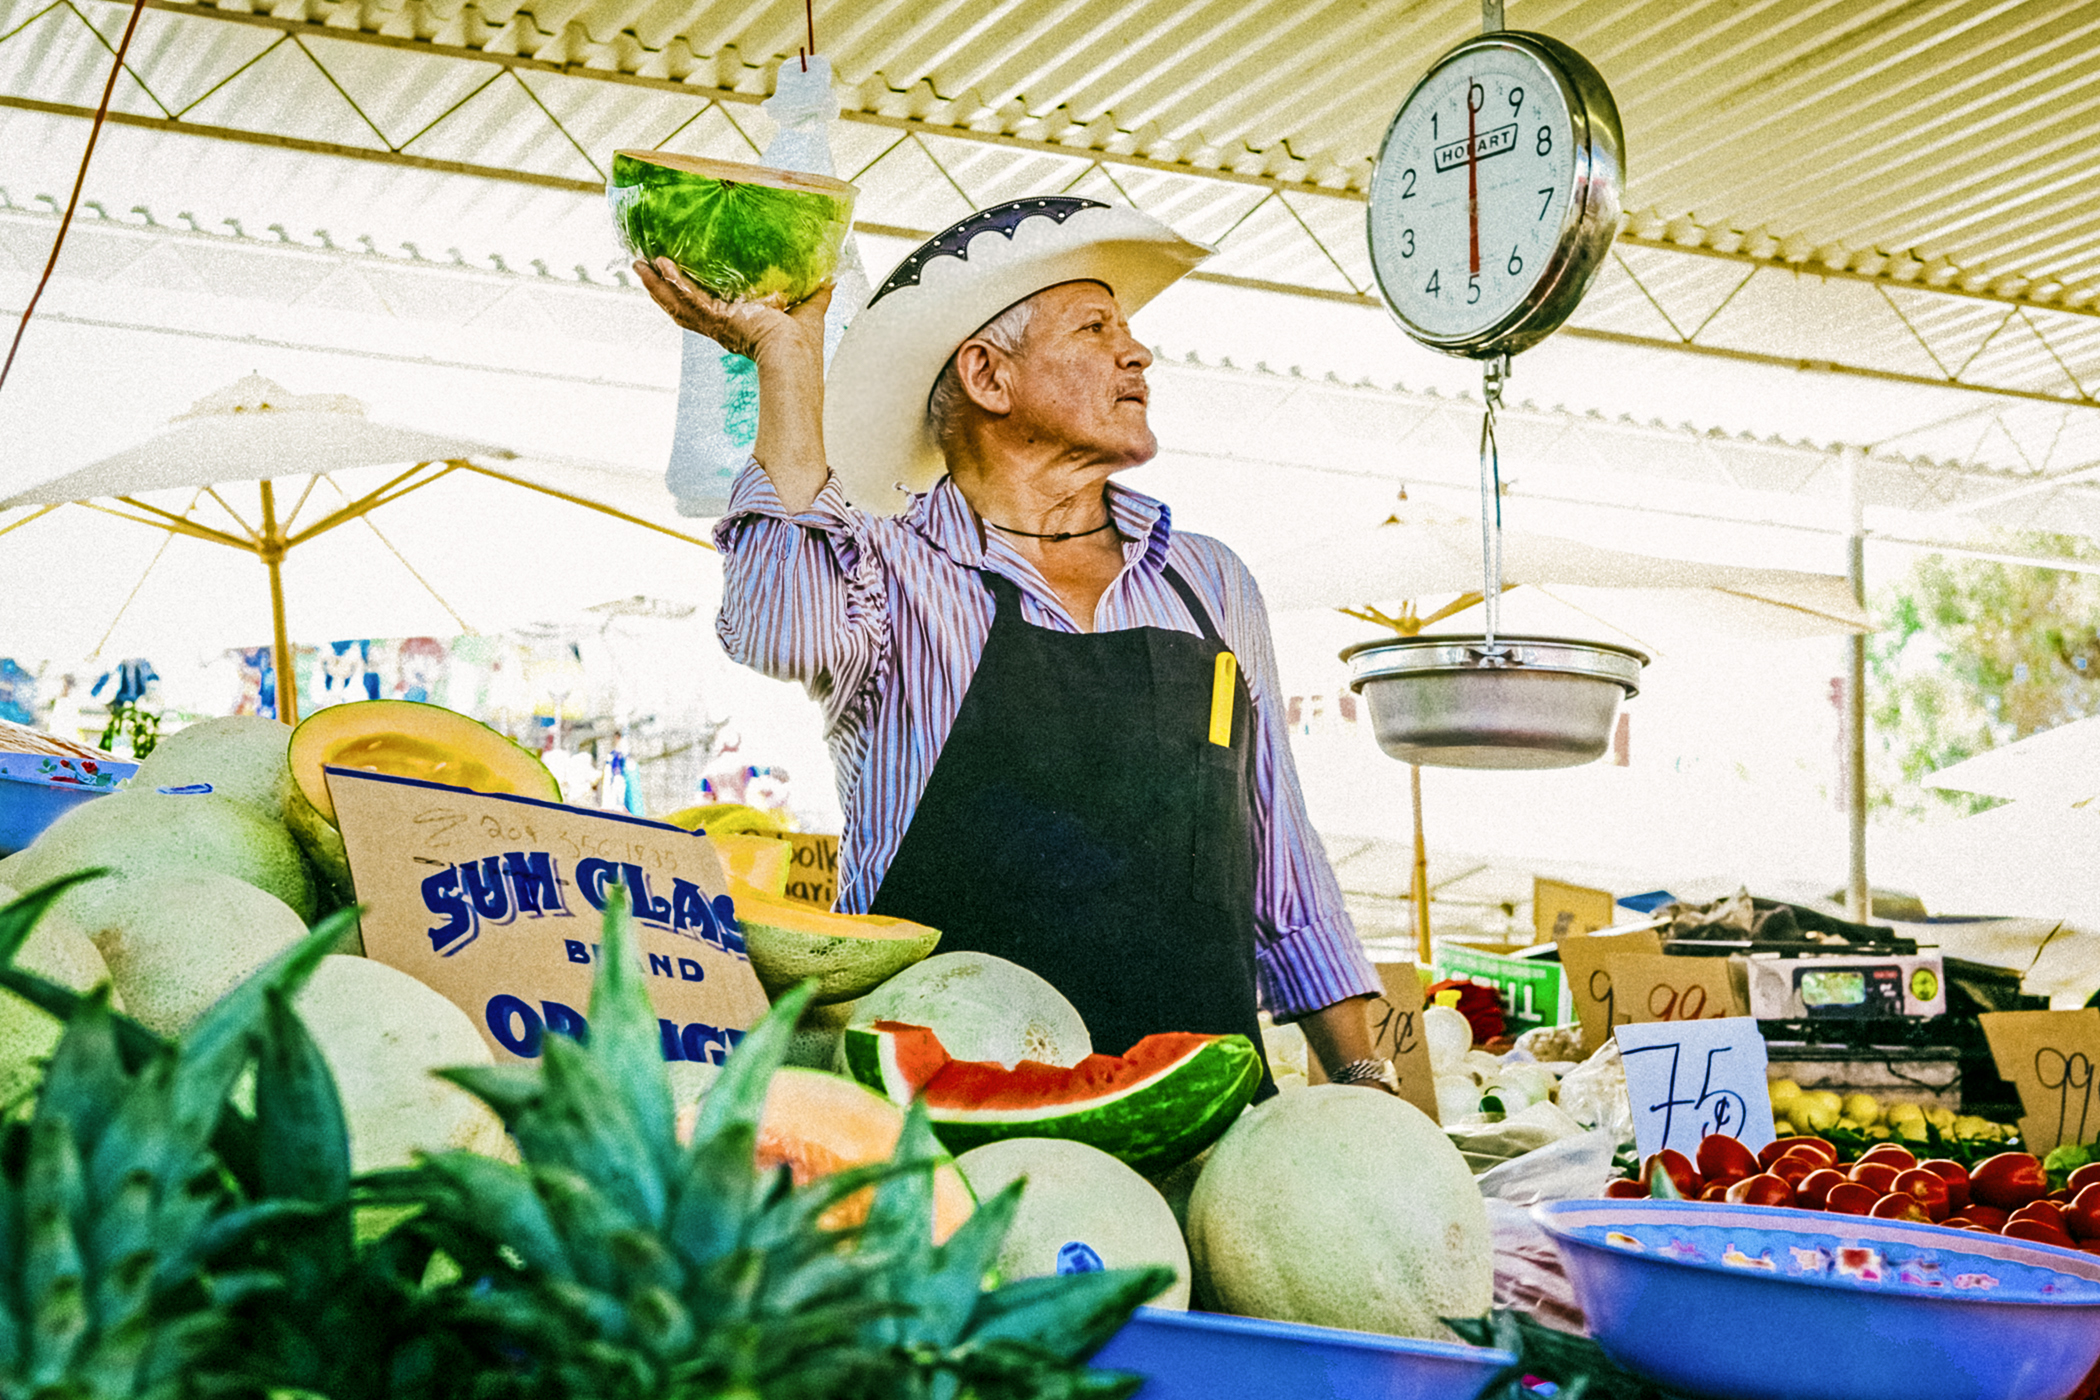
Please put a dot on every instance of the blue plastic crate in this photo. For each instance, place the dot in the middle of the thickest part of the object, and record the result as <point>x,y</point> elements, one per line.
<point>1213,1356</point>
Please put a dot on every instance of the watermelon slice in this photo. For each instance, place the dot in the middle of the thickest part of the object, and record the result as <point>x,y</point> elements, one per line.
<point>1166,1100</point>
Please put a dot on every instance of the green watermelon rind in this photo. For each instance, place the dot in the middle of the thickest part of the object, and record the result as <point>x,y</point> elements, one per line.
<point>1152,1126</point>
<point>738,240</point>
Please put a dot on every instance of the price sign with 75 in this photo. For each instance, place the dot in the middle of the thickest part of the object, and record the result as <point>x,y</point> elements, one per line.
<point>1688,1079</point>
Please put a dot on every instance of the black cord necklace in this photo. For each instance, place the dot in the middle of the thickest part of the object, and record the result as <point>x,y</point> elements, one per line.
<point>1052,539</point>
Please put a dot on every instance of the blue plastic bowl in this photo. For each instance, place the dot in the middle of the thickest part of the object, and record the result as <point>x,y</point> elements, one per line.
<point>1213,1356</point>
<point>1758,1303</point>
<point>27,808</point>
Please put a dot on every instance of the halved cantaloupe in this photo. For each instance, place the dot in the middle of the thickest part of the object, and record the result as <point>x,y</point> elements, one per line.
<point>762,862</point>
<point>816,1123</point>
<point>403,739</point>
<point>848,954</point>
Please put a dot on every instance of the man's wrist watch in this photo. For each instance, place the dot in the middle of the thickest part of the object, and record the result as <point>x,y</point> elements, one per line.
<point>1378,1072</point>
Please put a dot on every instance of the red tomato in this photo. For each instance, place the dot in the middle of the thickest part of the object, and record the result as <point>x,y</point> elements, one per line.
<point>1723,1159</point>
<point>2061,1195</point>
<point>1989,1217</point>
<point>1763,1189</point>
<point>1813,1191</point>
<point>1678,1166</point>
<point>1880,1176</point>
<point>1929,1189</point>
<point>2082,1216</point>
<point>2048,1212</point>
<point>1779,1147</point>
<point>1627,1191</point>
<point>1898,1157</point>
<point>2039,1232</point>
<point>2087,1175</point>
<point>1851,1198</point>
<point>1715,1191</point>
<point>1957,1178</point>
<point>2009,1180</point>
<point>1897,1206</point>
<point>1794,1167</point>
<point>1962,1222</point>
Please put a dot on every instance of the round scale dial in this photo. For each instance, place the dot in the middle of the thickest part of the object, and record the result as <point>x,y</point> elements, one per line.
<point>1496,195</point>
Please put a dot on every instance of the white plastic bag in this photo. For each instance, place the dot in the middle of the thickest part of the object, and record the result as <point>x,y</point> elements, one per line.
<point>718,392</point>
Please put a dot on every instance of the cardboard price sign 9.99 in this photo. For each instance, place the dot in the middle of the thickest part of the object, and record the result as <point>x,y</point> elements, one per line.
<point>1586,962</point>
<point>2049,1057</point>
<point>1663,988</point>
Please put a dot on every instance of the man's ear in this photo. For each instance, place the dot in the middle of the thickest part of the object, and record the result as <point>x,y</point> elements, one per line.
<point>986,377</point>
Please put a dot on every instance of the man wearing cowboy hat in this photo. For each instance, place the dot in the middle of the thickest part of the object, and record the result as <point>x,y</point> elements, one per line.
<point>1055,719</point>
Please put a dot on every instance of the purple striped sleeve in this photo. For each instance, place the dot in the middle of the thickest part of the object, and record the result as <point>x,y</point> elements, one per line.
<point>803,595</point>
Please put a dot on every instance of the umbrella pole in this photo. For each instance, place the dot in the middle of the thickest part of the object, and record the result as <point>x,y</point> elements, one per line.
<point>272,551</point>
<point>1421,880</point>
<point>1859,905</point>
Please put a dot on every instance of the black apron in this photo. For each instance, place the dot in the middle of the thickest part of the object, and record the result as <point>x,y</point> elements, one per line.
<point>1081,822</point>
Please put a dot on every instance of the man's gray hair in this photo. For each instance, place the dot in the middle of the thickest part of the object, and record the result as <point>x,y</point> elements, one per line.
<point>1003,332</point>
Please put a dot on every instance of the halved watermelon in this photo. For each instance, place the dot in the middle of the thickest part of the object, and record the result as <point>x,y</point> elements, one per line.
<point>1166,1100</point>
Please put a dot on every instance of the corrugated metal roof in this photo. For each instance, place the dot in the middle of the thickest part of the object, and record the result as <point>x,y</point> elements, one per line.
<point>1961,134</point>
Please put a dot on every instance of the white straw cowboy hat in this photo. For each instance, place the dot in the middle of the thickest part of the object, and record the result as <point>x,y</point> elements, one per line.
<point>875,426</point>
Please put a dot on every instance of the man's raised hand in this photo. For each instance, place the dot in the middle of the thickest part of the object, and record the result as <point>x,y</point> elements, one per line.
<point>753,329</point>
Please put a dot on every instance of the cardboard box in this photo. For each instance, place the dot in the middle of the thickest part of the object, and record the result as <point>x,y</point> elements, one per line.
<point>813,875</point>
<point>1559,910</point>
<point>1533,991</point>
<point>496,902</point>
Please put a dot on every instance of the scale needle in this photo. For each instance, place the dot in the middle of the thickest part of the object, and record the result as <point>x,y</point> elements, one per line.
<point>1472,182</point>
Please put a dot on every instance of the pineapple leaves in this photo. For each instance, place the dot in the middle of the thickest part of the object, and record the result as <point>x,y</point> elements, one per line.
<point>18,918</point>
<point>625,1037</point>
<point>302,1143</point>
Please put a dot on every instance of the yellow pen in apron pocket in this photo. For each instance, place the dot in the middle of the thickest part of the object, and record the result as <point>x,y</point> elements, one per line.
<point>1221,692</point>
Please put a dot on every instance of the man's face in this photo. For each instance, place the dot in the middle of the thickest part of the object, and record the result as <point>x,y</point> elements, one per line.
<point>1080,377</point>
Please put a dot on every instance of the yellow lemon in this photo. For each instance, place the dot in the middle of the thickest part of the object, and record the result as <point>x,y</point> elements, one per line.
<point>1862,1109</point>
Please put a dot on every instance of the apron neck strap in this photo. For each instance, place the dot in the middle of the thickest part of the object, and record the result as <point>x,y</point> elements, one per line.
<point>1007,598</point>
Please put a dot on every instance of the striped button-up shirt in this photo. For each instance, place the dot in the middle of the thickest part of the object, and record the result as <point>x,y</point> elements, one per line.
<point>883,619</point>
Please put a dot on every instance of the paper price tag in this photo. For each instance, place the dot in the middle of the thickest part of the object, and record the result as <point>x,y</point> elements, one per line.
<point>1585,961</point>
<point>1687,1079</point>
<point>2049,1057</point>
<point>1657,987</point>
<point>1559,910</point>
<point>497,903</point>
<point>1396,1034</point>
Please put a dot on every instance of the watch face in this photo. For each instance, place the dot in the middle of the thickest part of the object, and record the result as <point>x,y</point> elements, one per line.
<point>1472,190</point>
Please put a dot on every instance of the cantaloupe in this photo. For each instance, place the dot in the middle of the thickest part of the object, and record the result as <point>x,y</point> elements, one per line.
<point>848,954</point>
<point>176,942</point>
<point>140,833</point>
<point>240,756</point>
<point>403,739</point>
<point>982,1008</point>
<point>1342,1206</point>
<point>56,949</point>
<point>383,1034</point>
<point>1081,1210</point>
<point>816,1123</point>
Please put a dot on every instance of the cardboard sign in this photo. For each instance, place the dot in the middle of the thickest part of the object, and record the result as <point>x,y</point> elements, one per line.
<point>2049,1057</point>
<point>1687,1079</point>
<point>1396,1034</point>
<point>813,874</point>
<point>1585,963</point>
<point>495,902</point>
<point>1558,910</point>
<point>1662,988</point>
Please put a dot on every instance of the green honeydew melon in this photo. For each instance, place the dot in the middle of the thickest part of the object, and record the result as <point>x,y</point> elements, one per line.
<point>140,833</point>
<point>981,1008</point>
<point>1341,1206</point>
<point>1081,1210</point>
<point>740,231</point>
<point>58,950</point>
<point>241,756</point>
<point>177,941</point>
<point>383,1034</point>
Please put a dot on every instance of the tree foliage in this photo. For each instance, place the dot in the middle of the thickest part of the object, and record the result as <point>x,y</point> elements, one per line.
<point>1975,654</point>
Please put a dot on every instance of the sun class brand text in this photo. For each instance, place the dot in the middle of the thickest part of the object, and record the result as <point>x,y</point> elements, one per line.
<point>495,890</point>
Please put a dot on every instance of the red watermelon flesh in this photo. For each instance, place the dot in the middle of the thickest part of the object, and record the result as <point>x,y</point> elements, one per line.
<point>1164,1101</point>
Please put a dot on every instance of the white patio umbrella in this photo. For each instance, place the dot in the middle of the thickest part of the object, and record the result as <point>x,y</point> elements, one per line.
<point>279,478</point>
<point>1423,555</point>
<point>2060,765</point>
